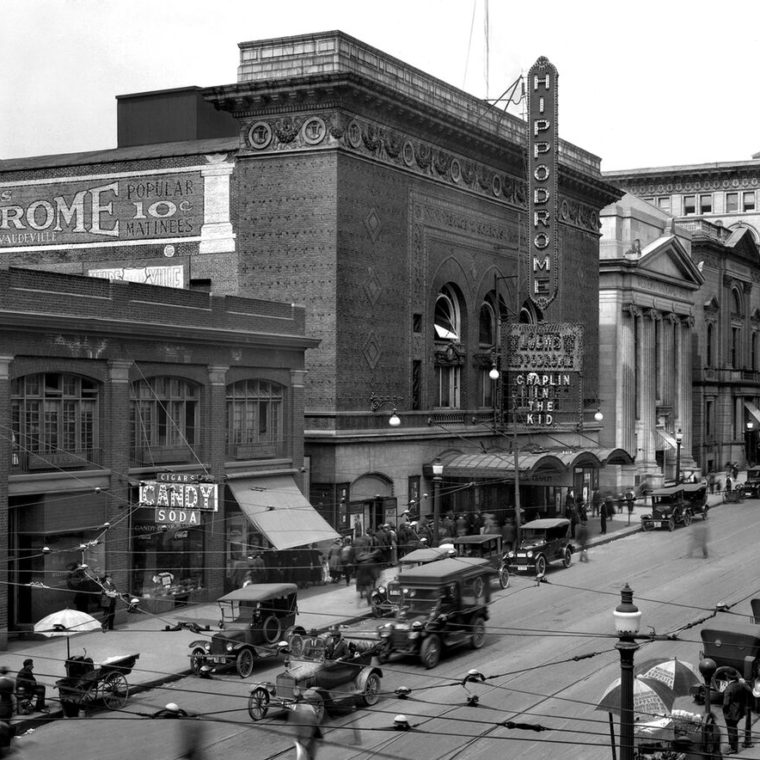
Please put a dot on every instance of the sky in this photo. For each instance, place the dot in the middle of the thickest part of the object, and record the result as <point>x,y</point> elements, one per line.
<point>652,83</point>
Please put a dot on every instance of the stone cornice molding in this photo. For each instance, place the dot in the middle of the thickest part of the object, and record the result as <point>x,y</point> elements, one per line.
<point>403,151</point>
<point>632,310</point>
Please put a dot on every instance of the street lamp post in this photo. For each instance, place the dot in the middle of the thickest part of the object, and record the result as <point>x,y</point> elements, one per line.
<point>750,454</point>
<point>437,479</point>
<point>679,441</point>
<point>627,621</point>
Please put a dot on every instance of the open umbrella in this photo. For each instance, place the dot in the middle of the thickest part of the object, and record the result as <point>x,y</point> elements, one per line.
<point>678,675</point>
<point>64,623</point>
<point>650,697</point>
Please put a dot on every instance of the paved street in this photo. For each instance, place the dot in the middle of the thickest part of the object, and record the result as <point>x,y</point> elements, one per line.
<point>535,632</point>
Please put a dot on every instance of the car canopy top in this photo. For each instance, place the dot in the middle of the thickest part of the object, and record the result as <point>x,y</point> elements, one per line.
<point>668,491</point>
<point>693,487</point>
<point>260,592</point>
<point>546,523</point>
<point>422,556</point>
<point>479,539</point>
<point>446,570</point>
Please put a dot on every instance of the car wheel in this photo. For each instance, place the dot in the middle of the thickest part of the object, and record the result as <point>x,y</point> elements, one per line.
<point>503,576</point>
<point>371,691</point>
<point>647,525</point>
<point>567,557</point>
<point>540,565</point>
<point>244,662</point>
<point>478,633</point>
<point>687,518</point>
<point>671,524</point>
<point>258,703</point>
<point>430,651</point>
<point>197,657</point>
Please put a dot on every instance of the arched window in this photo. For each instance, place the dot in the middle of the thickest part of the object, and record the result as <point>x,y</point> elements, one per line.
<point>449,352</point>
<point>164,414</point>
<point>530,314</point>
<point>255,419</point>
<point>55,421</point>
<point>488,346</point>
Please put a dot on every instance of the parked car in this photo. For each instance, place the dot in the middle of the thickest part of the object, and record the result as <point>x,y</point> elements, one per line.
<point>487,546</point>
<point>542,541</point>
<point>442,605</point>
<point>695,495</point>
<point>254,620</point>
<point>383,604</point>
<point>669,508</point>
<point>734,648</point>
<point>313,672</point>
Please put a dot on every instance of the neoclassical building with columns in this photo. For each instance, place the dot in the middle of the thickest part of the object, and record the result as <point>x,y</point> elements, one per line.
<point>648,296</point>
<point>679,319</point>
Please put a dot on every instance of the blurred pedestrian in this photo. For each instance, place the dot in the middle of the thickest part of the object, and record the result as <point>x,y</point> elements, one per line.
<point>333,560</point>
<point>729,484</point>
<point>596,500</point>
<point>508,533</point>
<point>699,537</point>
<point>581,536</point>
<point>303,717</point>
<point>603,518</point>
<point>347,560</point>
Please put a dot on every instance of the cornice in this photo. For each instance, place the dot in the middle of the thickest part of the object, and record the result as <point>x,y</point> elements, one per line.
<point>369,139</point>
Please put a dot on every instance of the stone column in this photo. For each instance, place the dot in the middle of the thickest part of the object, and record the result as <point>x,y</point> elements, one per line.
<point>647,419</point>
<point>118,458</point>
<point>217,235</point>
<point>216,454</point>
<point>685,398</point>
<point>295,421</point>
<point>625,403</point>
<point>6,451</point>
<point>670,382</point>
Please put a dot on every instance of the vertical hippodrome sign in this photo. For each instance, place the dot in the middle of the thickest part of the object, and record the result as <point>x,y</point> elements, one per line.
<point>542,182</point>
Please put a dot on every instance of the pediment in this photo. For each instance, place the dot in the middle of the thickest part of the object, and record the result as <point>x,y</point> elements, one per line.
<point>711,304</point>
<point>666,258</point>
<point>742,241</point>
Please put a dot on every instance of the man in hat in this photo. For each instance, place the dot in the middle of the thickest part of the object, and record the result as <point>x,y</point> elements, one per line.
<point>734,709</point>
<point>25,680</point>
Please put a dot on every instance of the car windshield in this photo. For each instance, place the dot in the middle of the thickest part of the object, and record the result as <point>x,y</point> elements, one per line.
<point>313,649</point>
<point>533,537</point>
<point>419,601</point>
<point>235,612</point>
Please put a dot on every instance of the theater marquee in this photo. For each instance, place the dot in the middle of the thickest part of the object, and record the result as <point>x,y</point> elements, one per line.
<point>543,377</point>
<point>543,166</point>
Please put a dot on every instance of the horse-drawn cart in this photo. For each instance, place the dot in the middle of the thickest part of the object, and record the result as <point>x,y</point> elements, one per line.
<point>88,683</point>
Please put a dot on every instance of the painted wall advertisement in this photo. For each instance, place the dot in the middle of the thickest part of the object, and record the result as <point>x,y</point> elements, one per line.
<point>543,374</point>
<point>101,209</point>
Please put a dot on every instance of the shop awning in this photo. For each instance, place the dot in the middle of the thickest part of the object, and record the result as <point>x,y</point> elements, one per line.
<point>753,410</point>
<point>279,511</point>
<point>668,438</point>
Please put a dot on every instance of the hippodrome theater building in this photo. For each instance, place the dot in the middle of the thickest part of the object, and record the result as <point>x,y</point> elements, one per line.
<point>408,218</point>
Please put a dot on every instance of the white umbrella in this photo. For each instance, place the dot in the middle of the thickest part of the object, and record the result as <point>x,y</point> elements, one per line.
<point>64,623</point>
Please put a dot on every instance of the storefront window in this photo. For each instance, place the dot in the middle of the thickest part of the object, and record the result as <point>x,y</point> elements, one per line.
<point>168,560</point>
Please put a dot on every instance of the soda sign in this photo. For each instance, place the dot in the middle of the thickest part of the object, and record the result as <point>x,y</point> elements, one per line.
<point>178,516</point>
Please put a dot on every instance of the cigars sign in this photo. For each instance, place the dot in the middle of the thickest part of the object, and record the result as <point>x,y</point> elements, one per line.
<point>100,210</point>
<point>179,498</point>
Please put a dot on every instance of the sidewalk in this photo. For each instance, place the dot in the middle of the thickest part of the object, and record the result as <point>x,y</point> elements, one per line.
<point>164,654</point>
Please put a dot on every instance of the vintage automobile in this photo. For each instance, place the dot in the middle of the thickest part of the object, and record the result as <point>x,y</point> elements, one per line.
<point>669,508</point>
<point>318,672</point>
<point>732,648</point>
<point>487,546</point>
<point>441,605</point>
<point>542,541</point>
<point>695,495</point>
<point>254,620</point>
<point>382,603</point>
<point>751,486</point>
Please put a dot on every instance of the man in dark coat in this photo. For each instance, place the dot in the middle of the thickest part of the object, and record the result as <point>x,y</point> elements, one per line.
<point>25,679</point>
<point>734,708</point>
